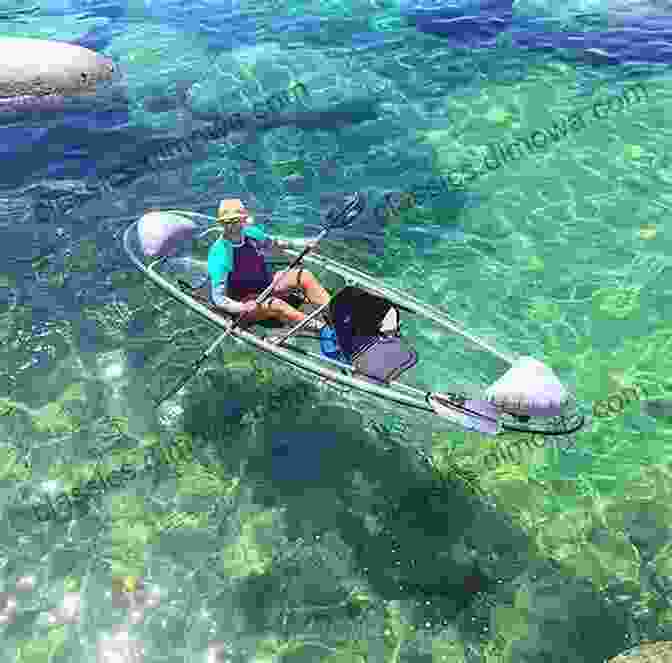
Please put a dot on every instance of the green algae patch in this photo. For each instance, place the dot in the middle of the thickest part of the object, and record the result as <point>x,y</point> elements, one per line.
<point>565,529</point>
<point>535,264</point>
<point>179,520</point>
<point>501,117</point>
<point>8,407</point>
<point>618,302</point>
<point>590,542</point>
<point>352,651</point>
<point>43,650</point>
<point>125,279</point>
<point>74,392</point>
<point>121,426</point>
<point>73,475</point>
<point>632,152</point>
<point>396,631</point>
<point>239,359</point>
<point>618,557</point>
<point>11,468</point>
<point>131,530</point>
<point>176,453</point>
<point>72,584</point>
<point>542,310</point>
<point>447,647</point>
<point>112,319</point>
<point>84,258</point>
<point>459,463</point>
<point>287,168</point>
<point>56,279</point>
<point>586,542</point>
<point>252,553</point>
<point>621,512</point>
<point>503,112</point>
<point>197,479</point>
<point>7,281</point>
<point>74,396</point>
<point>510,624</point>
<point>52,418</point>
<point>512,486</point>
<point>275,650</point>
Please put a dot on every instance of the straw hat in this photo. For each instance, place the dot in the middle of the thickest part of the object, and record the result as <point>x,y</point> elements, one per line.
<point>231,210</point>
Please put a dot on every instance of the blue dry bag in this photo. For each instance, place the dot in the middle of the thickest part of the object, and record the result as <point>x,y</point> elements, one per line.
<point>329,344</point>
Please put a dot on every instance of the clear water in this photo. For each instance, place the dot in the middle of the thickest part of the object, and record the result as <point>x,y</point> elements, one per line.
<point>297,522</point>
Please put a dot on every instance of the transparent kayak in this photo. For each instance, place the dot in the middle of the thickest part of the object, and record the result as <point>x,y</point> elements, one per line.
<point>377,359</point>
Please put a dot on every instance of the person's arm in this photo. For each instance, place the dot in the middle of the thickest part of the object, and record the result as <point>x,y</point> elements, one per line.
<point>220,261</point>
<point>229,305</point>
<point>220,300</point>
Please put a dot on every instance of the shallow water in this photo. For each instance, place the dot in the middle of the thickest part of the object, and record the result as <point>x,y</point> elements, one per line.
<point>305,523</point>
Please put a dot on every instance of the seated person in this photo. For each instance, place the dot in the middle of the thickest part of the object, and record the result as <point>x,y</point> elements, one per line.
<point>239,273</point>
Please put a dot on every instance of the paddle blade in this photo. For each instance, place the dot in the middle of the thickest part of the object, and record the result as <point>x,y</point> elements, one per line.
<point>344,217</point>
<point>479,416</point>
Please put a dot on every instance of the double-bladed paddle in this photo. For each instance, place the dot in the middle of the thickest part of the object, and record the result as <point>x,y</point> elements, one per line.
<point>336,219</point>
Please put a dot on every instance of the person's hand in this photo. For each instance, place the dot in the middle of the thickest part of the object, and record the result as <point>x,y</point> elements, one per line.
<point>249,307</point>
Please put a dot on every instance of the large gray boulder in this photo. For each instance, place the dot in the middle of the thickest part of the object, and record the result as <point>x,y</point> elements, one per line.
<point>39,68</point>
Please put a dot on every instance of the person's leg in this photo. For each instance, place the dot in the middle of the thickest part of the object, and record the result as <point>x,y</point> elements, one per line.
<point>276,309</point>
<point>302,278</point>
<point>279,309</point>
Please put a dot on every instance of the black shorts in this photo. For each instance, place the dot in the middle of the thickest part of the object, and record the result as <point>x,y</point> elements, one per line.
<point>294,297</point>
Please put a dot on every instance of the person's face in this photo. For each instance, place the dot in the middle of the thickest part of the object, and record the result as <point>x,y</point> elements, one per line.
<point>243,219</point>
<point>231,229</point>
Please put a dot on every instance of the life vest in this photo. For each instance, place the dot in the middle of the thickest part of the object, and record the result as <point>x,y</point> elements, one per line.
<point>250,274</point>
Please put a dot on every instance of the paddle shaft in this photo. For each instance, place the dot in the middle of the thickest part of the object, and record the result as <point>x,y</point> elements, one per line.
<point>260,300</point>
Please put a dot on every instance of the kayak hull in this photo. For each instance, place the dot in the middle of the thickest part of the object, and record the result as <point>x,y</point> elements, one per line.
<point>336,372</point>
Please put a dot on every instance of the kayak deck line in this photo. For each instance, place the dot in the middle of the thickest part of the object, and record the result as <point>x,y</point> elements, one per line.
<point>481,415</point>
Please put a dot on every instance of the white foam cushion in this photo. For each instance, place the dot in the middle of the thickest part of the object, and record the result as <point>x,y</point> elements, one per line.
<point>161,233</point>
<point>390,321</point>
<point>530,388</point>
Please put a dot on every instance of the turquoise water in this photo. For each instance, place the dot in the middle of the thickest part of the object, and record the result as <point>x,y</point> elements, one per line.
<point>298,522</point>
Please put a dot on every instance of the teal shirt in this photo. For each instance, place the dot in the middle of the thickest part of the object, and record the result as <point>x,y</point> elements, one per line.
<point>220,256</point>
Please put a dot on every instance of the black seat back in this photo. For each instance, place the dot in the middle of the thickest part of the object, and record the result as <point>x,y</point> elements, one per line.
<point>357,317</point>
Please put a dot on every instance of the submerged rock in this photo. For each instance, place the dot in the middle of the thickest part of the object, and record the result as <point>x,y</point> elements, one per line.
<point>649,652</point>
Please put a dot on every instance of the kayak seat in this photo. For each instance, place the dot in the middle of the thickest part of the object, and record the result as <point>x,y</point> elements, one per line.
<point>368,332</point>
<point>385,359</point>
